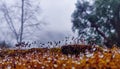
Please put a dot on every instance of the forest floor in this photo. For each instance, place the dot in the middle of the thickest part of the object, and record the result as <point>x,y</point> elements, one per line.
<point>43,58</point>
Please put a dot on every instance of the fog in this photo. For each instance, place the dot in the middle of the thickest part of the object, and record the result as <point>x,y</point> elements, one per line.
<point>57,17</point>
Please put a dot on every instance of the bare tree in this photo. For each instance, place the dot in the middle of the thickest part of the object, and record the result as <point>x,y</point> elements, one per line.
<point>22,19</point>
<point>9,21</point>
<point>23,14</point>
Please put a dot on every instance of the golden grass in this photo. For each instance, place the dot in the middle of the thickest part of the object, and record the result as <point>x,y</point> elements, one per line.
<point>39,58</point>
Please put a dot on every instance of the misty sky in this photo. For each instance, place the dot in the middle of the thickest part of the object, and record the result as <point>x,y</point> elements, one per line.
<point>57,15</point>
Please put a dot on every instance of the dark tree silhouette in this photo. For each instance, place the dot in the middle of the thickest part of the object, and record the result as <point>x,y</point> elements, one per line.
<point>99,19</point>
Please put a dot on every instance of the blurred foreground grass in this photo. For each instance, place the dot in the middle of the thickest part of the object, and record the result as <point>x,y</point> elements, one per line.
<point>43,58</point>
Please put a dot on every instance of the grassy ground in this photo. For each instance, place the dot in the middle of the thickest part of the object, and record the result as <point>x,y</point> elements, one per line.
<point>43,58</point>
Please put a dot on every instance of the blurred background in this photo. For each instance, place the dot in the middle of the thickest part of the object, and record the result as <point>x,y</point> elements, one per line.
<point>45,20</point>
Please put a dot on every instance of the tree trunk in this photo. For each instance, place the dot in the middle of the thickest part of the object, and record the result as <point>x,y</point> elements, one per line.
<point>22,21</point>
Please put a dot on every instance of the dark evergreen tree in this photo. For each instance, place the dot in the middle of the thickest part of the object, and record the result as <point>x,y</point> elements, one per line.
<point>98,19</point>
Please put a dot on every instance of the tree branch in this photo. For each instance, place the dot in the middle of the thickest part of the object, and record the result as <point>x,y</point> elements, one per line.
<point>9,20</point>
